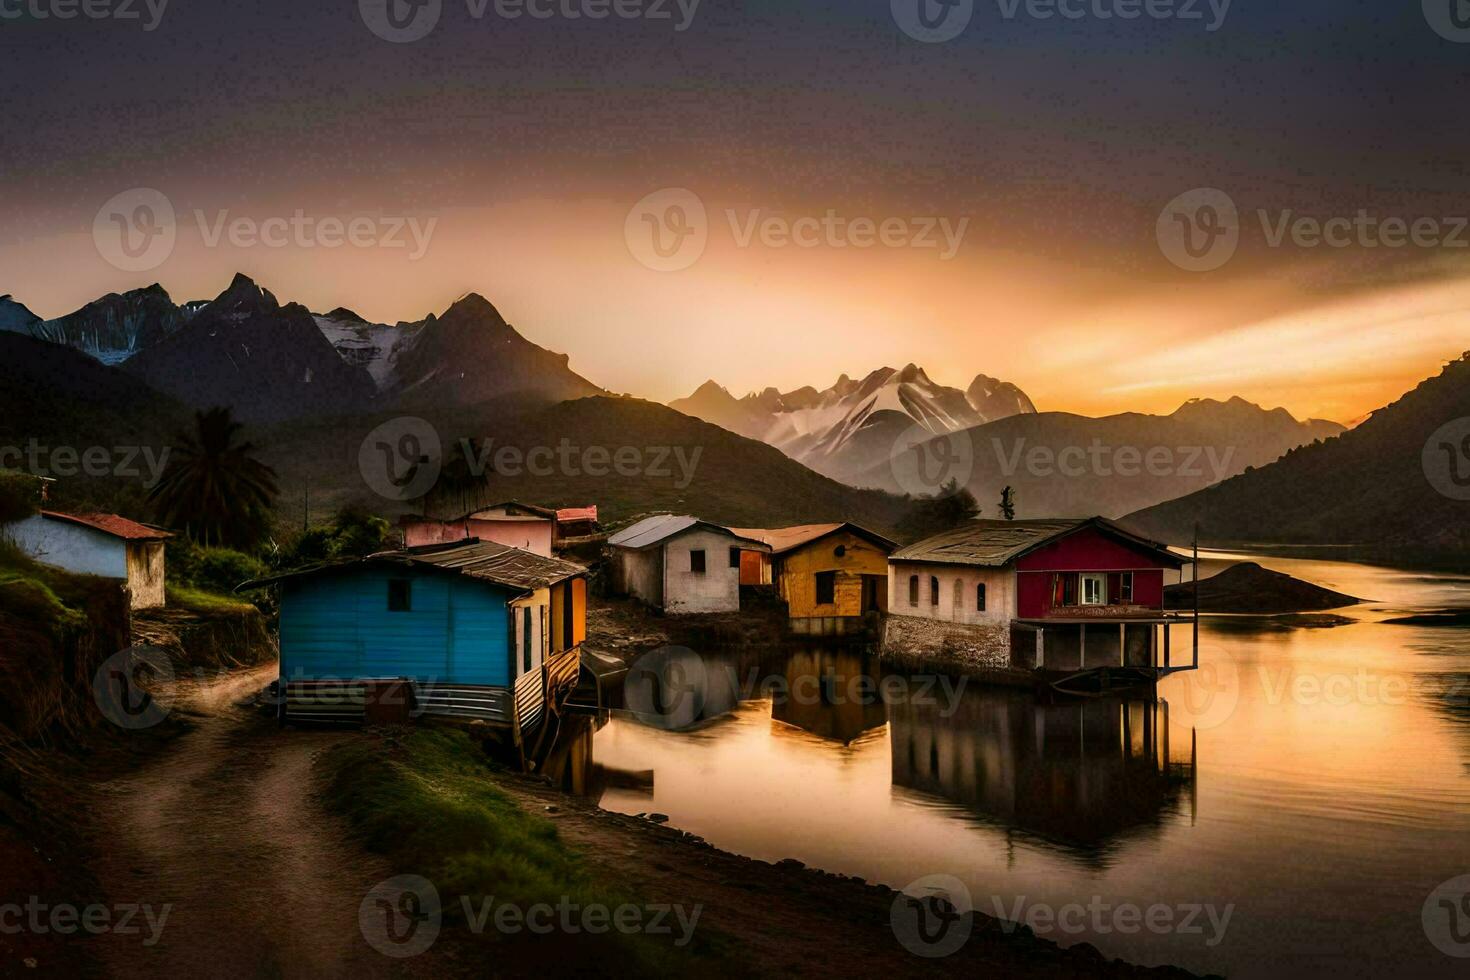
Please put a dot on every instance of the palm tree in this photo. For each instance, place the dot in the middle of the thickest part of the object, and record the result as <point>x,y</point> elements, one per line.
<point>214,488</point>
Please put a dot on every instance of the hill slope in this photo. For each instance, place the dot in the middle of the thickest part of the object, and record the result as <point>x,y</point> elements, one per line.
<point>670,462</point>
<point>1370,486</point>
<point>1064,464</point>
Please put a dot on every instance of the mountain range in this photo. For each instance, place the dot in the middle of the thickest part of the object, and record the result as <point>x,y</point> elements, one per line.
<point>272,362</point>
<point>1060,463</point>
<point>1395,485</point>
<point>127,369</point>
<point>844,430</point>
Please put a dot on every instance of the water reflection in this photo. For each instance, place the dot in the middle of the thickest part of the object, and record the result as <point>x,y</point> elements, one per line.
<point>1330,796</point>
<point>825,694</point>
<point>1081,775</point>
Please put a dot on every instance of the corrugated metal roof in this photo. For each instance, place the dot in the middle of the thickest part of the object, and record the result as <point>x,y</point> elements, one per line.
<point>659,528</point>
<point>784,539</point>
<point>485,560</point>
<point>993,543</point>
<point>118,527</point>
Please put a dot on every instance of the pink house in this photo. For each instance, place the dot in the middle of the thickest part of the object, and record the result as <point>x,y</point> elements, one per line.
<point>513,524</point>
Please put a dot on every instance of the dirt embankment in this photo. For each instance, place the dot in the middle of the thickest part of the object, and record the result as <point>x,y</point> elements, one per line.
<point>238,637</point>
<point>626,628</point>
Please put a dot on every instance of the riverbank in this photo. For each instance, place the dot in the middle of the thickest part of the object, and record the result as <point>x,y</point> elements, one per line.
<point>754,918</point>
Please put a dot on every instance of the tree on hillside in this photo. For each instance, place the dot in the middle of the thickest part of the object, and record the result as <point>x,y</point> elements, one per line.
<point>1008,503</point>
<point>352,533</point>
<point>952,506</point>
<point>213,488</point>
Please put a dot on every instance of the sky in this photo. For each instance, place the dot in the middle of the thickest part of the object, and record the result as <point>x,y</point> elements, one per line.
<point>832,192</point>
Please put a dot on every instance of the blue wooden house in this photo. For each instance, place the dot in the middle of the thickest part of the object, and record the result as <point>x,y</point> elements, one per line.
<point>472,629</point>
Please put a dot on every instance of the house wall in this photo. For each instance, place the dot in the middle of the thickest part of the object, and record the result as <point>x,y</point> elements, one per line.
<point>76,548</point>
<point>538,604</point>
<point>796,574</point>
<point>1000,596</point>
<point>1034,593</point>
<point>145,573</point>
<point>532,534</point>
<point>639,574</point>
<point>339,626</point>
<point>717,589</point>
<point>1087,550</point>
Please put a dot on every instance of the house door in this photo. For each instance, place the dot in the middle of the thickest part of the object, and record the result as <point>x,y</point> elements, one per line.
<point>871,584</point>
<point>958,610</point>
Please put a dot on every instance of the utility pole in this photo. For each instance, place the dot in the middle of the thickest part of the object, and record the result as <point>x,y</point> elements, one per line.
<point>1196,595</point>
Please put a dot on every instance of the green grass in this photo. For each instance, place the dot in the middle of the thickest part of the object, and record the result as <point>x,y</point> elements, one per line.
<point>426,799</point>
<point>204,601</point>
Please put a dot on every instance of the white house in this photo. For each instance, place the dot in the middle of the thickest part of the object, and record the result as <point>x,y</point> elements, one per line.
<point>105,545</point>
<point>680,564</point>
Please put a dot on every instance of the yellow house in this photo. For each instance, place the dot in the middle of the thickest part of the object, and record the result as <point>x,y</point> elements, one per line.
<point>831,575</point>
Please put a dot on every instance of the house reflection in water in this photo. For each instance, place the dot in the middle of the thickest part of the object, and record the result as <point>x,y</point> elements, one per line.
<point>1081,775</point>
<point>830,693</point>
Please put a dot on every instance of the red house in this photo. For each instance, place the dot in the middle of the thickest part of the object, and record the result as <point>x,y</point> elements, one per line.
<point>1059,594</point>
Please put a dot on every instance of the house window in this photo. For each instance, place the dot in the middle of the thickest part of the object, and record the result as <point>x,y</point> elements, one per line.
<point>1094,589</point>
<point>980,597</point>
<point>1064,589</point>
<point>933,591</point>
<point>840,550</point>
<point>1126,588</point>
<point>696,561</point>
<point>734,557</point>
<point>913,590</point>
<point>400,595</point>
<point>826,588</point>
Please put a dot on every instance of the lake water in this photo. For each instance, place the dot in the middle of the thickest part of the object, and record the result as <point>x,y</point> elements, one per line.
<point>1313,783</point>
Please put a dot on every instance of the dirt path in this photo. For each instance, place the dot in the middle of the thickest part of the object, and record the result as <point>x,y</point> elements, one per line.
<point>222,828</point>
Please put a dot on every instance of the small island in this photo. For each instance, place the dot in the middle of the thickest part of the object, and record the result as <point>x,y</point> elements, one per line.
<point>1246,587</point>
